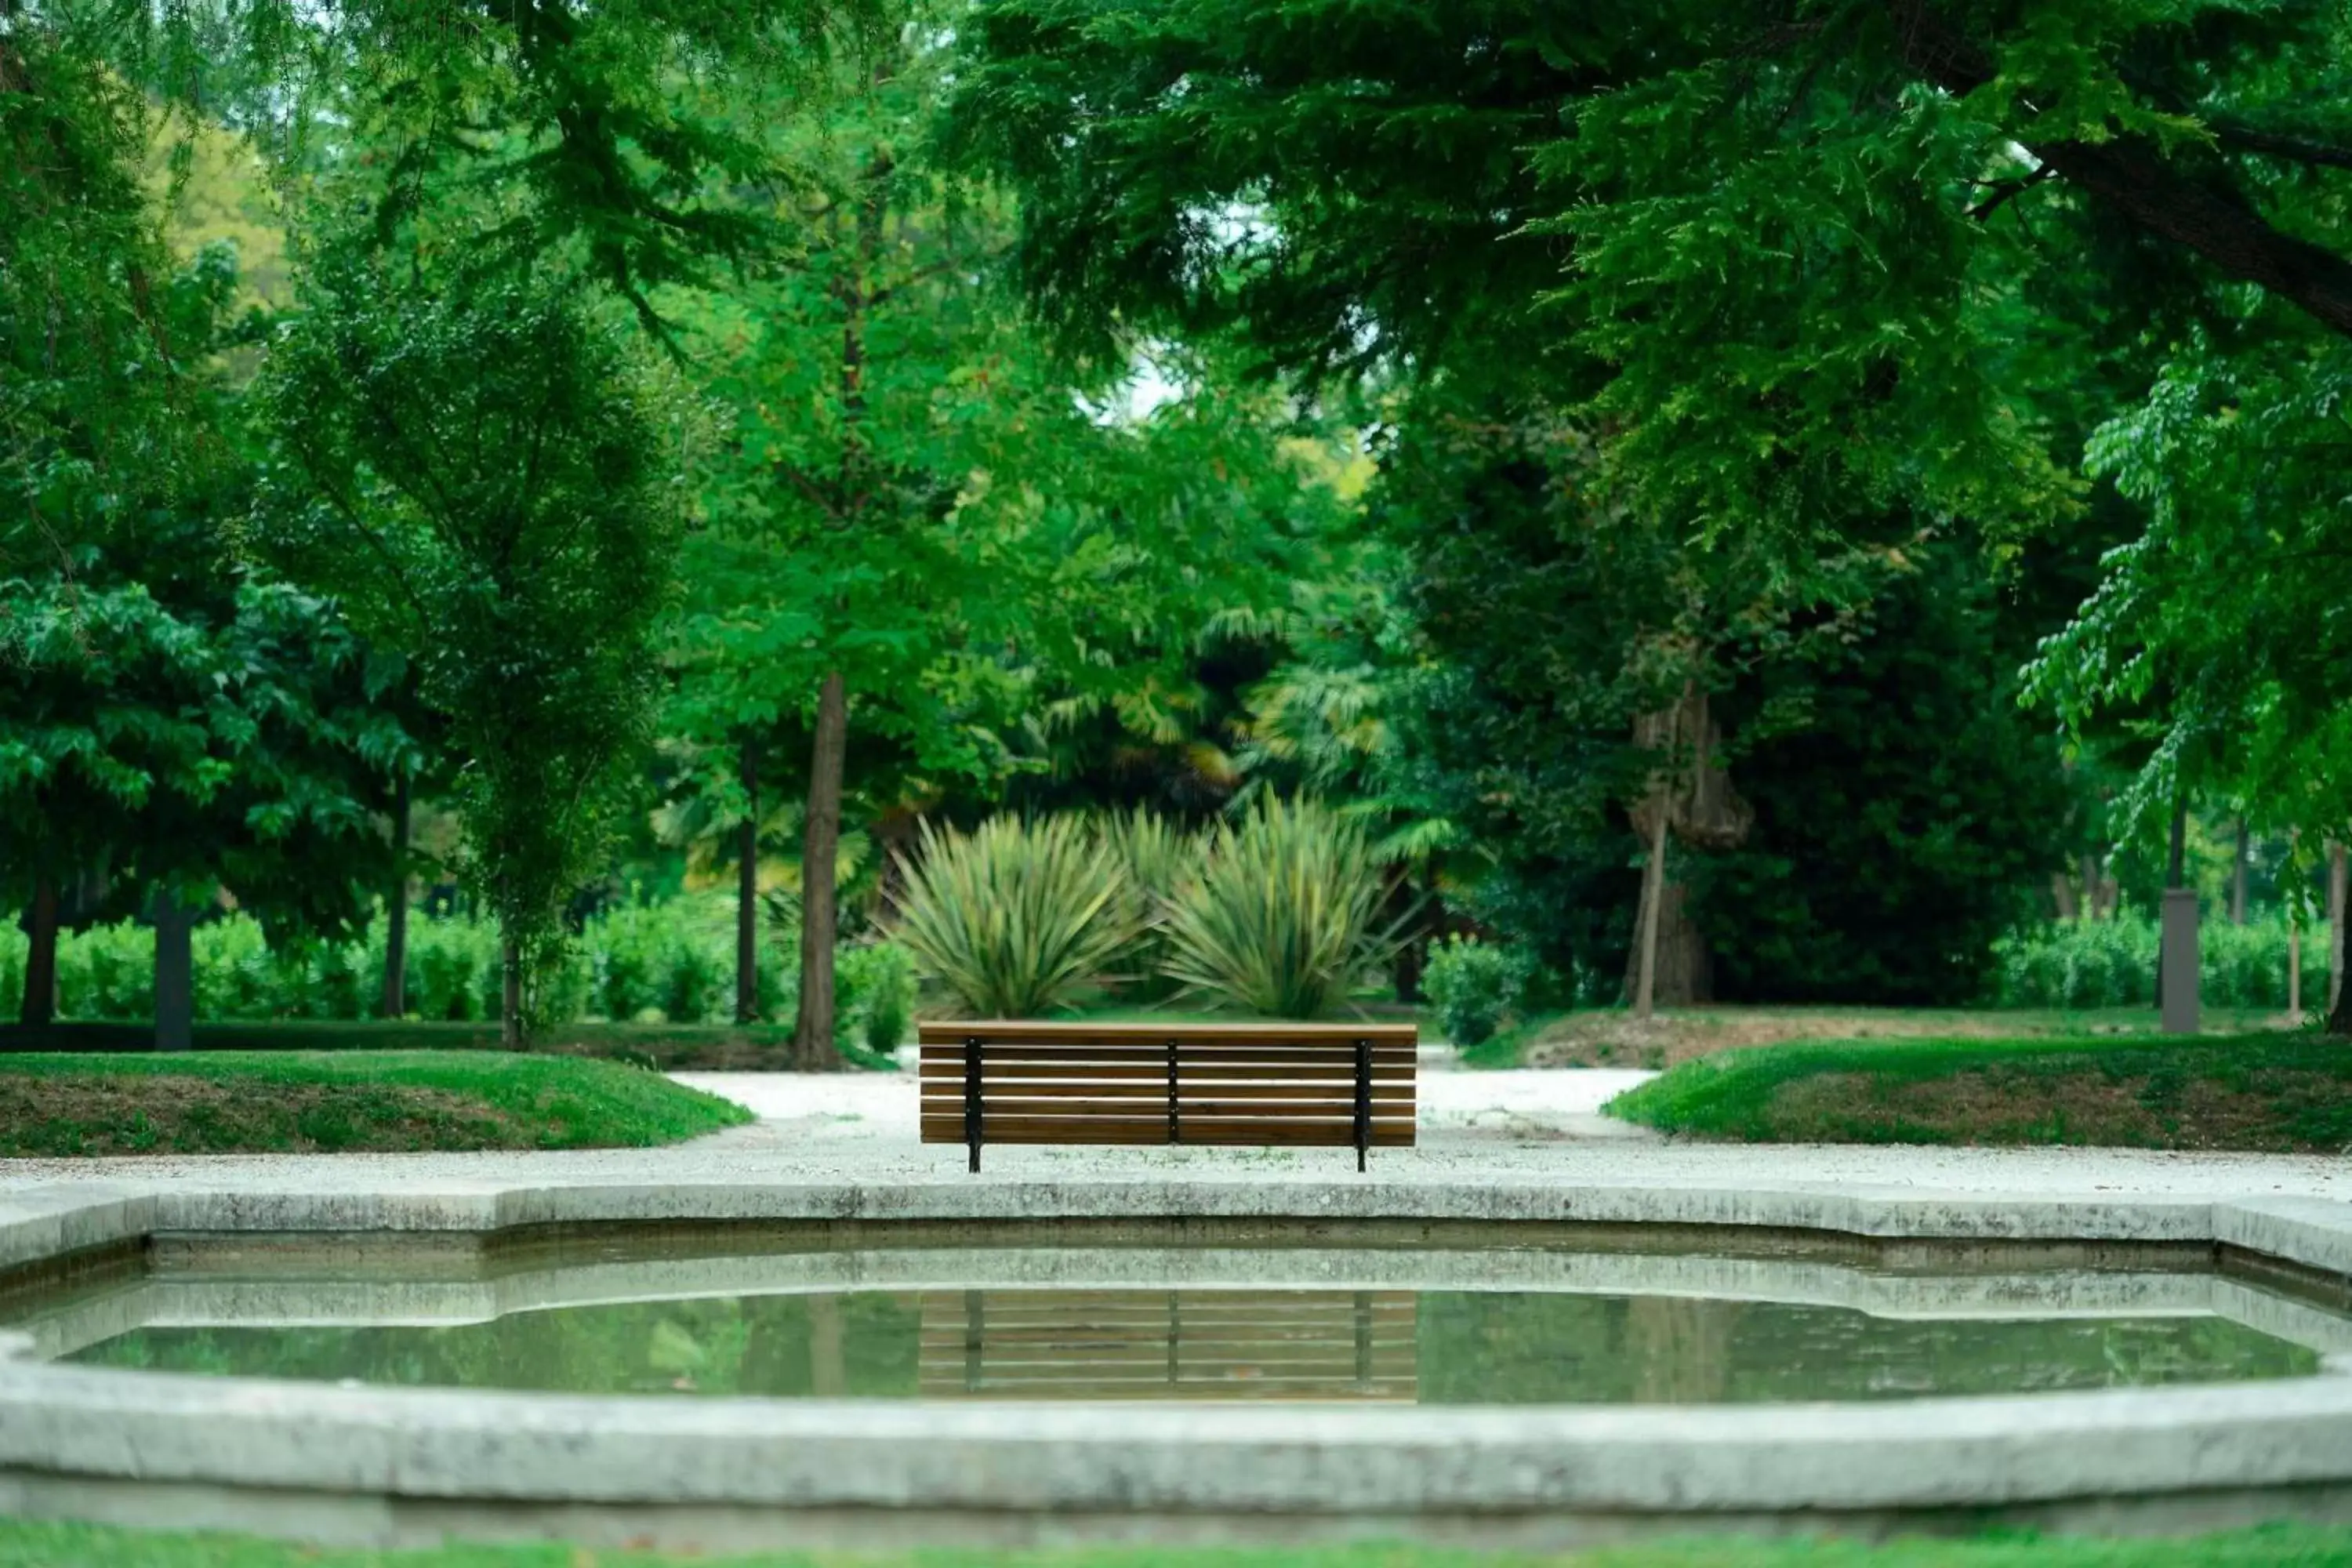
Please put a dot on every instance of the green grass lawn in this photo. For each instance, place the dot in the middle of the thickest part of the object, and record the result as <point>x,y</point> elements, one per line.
<point>1614,1038</point>
<point>219,1102</point>
<point>25,1544</point>
<point>2271,1091</point>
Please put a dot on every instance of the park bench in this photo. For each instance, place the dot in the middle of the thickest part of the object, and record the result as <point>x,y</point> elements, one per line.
<point>1254,1085</point>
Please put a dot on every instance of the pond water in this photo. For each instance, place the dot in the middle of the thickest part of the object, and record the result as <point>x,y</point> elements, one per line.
<point>1486,1327</point>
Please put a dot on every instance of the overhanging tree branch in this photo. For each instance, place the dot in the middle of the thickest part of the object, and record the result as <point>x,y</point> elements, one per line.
<point>2131,178</point>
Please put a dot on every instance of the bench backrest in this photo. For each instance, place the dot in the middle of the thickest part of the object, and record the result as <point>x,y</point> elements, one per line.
<point>1332,1085</point>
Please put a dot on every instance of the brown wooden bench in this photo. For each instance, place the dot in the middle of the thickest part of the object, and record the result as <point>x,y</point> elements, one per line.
<point>1257,1085</point>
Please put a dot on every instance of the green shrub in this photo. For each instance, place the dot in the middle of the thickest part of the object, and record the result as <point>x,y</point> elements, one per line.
<point>1473,986</point>
<point>874,997</point>
<point>674,959</point>
<point>1280,921</point>
<point>1016,915</point>
<point>453,969</point>
<point>1161,860</point>
<point>2112,963</point>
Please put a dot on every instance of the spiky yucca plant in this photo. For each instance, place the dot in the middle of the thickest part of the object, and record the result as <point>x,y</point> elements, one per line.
<point>1283,916</point>
<point>1014,915</point>
<point>1161,860</point>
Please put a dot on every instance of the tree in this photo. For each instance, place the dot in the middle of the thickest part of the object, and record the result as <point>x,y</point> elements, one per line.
<point>172,721</point>
<point>476,464</point>
<point>918,527</point>
<point>1801,274</point>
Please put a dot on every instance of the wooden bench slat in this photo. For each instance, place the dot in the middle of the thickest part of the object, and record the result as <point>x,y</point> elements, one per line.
<point>1188,1109</point>
<point>1308,1093</point>
<point>1221,1073</point>
<point>1233,1134</point>
<point>952,1057</point>
<point>1148,1030</point>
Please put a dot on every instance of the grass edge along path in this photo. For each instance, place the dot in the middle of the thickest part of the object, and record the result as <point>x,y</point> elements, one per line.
<point>37,1544</point>
<point>2266,1092</point>
<point>220,1102</point>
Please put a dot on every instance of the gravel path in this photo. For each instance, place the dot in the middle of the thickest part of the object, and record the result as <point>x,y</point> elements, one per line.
<point>1502,1127</point>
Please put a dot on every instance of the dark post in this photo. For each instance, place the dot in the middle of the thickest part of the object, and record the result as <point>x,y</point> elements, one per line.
<point>1363,1100</point>
<point>175,977</point>
<point>1175,1122</point>
<point>971,1111</point>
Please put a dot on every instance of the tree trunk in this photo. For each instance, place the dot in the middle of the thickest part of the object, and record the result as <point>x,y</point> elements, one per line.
<point>2238,879</point>
<point>813,1046</point>
<point>1653,876</point>
<point>38,1009</point>
<point>2061,897</point>
<point>395,912</point>
<point>2092,891</point>
<point>176,973</point>
<point>2295,976</point>
<point>510,995</point>
<point>747,897</point>
<point>2340,1016</point>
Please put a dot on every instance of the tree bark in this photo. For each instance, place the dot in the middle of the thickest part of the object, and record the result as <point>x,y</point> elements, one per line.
<point>176,973</point>
<point>39,1008</point>
<point>1654,879</point>
<point>510,995</point>
<point>2295,976</point>
<point>395,912</point>
<point>747,897</point>
<point>2061,897</point>
<point>2238,879</point>
<point>813,1046</point>
<point>2092,891</point>
<point>2340,1012</point>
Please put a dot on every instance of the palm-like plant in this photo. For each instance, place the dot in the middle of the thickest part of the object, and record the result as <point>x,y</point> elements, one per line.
<point>1015,915</point>
<point>1161,858</point>
<point>1283,918</point>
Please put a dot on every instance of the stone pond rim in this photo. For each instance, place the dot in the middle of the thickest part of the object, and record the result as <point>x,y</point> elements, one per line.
<point>389,1466</point>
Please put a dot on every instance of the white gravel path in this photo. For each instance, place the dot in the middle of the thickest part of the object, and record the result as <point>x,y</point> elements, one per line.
<point>1515,1127</point>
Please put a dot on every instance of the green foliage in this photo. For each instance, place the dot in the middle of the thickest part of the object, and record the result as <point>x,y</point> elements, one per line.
<point>1906,816</point>
<point>875,1001</point>
<point>1161,860</point>
<point>1014,916</point>
<point>671,962</point>
<point>1282,921</point>
<point>2112,963</point>
<point>1473,986</point>
<point>476,466</point>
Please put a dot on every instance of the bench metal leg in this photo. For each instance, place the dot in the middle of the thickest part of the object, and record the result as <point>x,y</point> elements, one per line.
<point>1175,1117</point>
<point>972,1112</point>
<point>1363,1100</point>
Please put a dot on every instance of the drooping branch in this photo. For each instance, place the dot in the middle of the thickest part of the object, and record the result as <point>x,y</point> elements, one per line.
<point>2132,178</point>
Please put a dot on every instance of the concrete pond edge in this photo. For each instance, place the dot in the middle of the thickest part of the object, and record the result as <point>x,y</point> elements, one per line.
<point>391,1467</point>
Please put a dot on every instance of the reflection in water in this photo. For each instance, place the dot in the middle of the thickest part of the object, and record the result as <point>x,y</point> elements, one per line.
<point>1436,1347</point>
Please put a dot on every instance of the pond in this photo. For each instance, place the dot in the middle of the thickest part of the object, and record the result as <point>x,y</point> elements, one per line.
<point>1490,1326</point>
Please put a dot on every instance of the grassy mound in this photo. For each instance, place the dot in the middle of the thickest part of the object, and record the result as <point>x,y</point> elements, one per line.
<point>221,1103</point>
<point>2273,1094</point>
<point>31,1544</point>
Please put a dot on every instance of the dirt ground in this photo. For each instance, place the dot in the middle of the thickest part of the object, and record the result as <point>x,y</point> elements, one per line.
<point>1615,1038</point>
